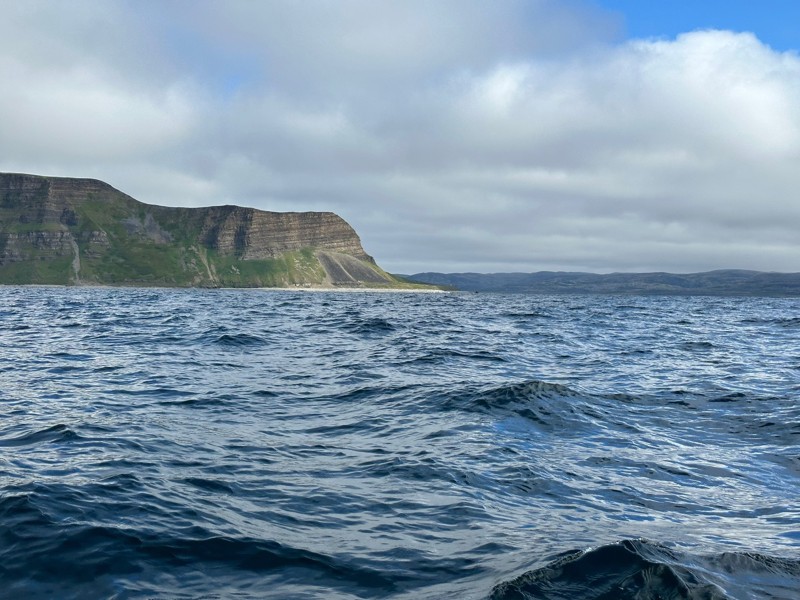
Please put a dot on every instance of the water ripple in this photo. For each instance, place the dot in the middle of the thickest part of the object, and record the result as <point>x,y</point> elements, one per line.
<point>250,444</point>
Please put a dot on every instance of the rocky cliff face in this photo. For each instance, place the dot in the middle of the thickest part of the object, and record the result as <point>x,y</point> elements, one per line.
<point>255,234</point>
<point>63,230</point>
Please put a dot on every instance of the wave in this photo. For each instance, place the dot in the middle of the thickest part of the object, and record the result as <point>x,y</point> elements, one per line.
<point>557,407</point>
<point>697,346</point>
<point>239,340</point>
<point>548,405</point>
<point>790,322</point>
<point>783,322</point>
<point>55,433</point>
<point>204,402</point>
<point>441,355</point>
<point>79,554</point>
<point>373,326</point>
<point>528,315</point>
<point>643,570</point>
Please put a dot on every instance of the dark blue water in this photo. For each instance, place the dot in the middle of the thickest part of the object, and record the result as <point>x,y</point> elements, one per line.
<point>250,444</point>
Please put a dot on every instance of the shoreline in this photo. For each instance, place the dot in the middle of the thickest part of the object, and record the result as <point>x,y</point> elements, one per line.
<point>346,289</point>
<point>260,289</point>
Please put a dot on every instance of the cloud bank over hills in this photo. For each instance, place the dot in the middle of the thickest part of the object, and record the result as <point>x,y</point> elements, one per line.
<point>479,136</point>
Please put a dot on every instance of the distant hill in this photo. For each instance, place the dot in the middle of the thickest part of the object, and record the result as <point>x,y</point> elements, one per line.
<point>711,283</point>
<point>56,230</point>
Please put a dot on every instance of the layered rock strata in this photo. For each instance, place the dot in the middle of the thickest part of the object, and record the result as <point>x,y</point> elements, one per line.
<point>63,230</point>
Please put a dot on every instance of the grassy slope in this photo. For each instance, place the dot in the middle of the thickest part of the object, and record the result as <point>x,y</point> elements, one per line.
<point>133,258</point>
<point>57,271</point>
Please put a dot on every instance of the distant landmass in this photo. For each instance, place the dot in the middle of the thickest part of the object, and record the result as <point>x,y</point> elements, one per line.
<point>711,283</point>
<point>65,231</point>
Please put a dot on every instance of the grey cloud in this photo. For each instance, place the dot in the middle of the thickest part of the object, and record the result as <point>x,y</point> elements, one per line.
<point>446,145</point>
<point>347,47</point>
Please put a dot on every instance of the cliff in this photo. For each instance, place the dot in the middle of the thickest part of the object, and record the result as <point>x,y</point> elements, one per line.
<point>56,230</point>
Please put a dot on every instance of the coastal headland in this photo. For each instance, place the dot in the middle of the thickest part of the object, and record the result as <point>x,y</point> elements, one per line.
<point>66,231</point>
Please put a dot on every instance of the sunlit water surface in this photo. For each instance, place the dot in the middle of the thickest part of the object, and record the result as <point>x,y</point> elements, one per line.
<point>252,444</point>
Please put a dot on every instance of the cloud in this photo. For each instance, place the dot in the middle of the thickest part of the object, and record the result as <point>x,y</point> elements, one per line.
<point>627,147</point>
<point>80,91</point>
<point>455,135</point>
<point>341,48</point>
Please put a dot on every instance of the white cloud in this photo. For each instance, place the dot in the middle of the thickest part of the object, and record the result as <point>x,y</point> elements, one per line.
<point>76,117</point>
<point>446,144</point>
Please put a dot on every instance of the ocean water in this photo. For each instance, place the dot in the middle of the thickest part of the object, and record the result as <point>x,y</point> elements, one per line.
<point>253,444</point>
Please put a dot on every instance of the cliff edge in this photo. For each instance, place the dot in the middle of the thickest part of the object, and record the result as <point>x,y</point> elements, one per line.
<point>56,230</point>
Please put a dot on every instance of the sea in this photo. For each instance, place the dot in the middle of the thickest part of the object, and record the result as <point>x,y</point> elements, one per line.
<point>162,443</point>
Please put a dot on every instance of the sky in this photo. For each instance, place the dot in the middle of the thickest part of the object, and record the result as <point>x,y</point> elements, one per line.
<point>454,135</point>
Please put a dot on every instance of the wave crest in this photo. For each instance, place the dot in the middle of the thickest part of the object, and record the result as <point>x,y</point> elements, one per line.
<point>649,571</point>
<point>549,405</point>
<point>55,433</point>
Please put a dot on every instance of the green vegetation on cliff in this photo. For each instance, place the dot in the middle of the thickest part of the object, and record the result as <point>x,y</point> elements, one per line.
<point>82,231</point>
